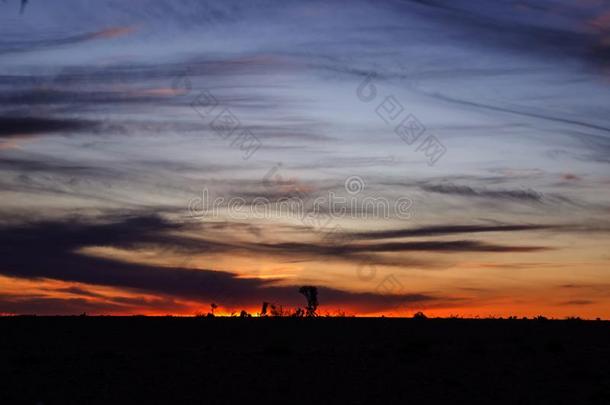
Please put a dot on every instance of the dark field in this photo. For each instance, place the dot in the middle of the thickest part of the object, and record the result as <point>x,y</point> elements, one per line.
<point>59,360</point>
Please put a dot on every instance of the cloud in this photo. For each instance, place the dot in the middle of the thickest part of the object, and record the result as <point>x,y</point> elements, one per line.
<point>99,305</point>
<point>78,291</point>
<point>428,246</point>
<point>570,177</point>
<point>22,126</point>
<point>56,258</point>
<point>20,46</point>
<point>448,230</point>
<point>466,191</point>
<point>112,32</point>
<point>578,302</point>
<point>26,305</point>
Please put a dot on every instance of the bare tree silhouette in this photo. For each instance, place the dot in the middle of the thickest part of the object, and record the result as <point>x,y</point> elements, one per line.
<point>311,293</point>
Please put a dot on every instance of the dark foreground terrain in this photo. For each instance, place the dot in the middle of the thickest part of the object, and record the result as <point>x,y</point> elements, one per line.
<point>61,360</point>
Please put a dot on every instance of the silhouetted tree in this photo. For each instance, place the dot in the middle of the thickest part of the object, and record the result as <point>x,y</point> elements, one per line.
<point>213,306</point>
<point>419,315</point>
<point>264,308</point>
<point>244,314</point>
<point>311,293</point>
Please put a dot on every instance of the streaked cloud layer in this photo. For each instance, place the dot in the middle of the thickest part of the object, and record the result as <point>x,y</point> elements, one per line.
<point>115,116</point>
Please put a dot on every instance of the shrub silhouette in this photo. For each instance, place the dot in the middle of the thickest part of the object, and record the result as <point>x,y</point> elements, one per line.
<point>311,293</point>
<point>278,311</point>
<point>419,315</point>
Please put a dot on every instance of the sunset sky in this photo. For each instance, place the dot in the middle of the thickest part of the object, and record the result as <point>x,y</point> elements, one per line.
<point>467,144</point>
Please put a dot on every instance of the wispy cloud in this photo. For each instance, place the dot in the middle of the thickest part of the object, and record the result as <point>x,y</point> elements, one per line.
<point>59,260</point>
<point>467,191</point>
<point>17,127</point>
<point>448,230</point>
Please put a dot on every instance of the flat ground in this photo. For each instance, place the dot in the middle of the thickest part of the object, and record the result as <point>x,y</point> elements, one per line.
<point>60,360</point>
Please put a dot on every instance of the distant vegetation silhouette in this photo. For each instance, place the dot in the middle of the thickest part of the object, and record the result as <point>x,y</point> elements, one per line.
<point>311,294</point>
<point>419,315</point>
